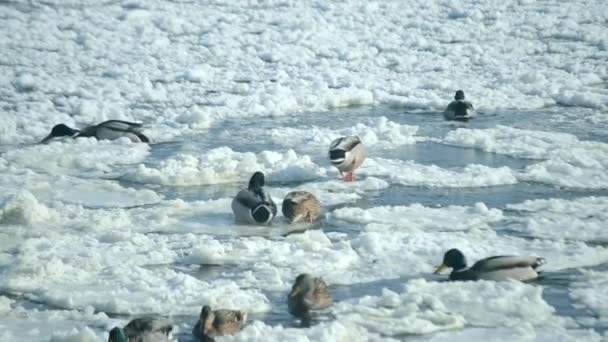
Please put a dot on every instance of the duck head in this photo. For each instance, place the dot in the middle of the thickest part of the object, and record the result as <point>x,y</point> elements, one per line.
<point>303,284</point>
<point>60,130</point>
<point>256,181</point>
<point>459,95</point>
<point>117,335</point>
<point>206,319</point>
<point>452,259</point>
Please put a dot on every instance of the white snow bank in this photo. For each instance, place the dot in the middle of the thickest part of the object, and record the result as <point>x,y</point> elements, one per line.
<point>424,307</point>
<point>589,292</point>
<point>23,208</point>
<point>85,156</point>
<point>378,132</point>
<point>91,192</point>
<point>325,331</point>
<point>223,165</point>
<point>410,173</point>
<point>419,217</point>
<point>75,272</point>
<point>567,161</point>
<point>288,57</point>
<point>581,219</point>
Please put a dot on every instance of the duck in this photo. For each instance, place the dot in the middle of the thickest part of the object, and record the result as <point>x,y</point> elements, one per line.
<point>301,206</point>
<point>213,323</point>
<point>143,330</point>
<point>347,154</point>
<point>107,130</point>
<point>459,109</point>
<point>498,268</point>
<point>253,205</point>
<point>307,294</point>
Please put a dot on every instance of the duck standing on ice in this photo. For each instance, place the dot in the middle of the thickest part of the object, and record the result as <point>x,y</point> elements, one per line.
<point>107,130</point>
<point>347,154</point>
<point>459,109</point>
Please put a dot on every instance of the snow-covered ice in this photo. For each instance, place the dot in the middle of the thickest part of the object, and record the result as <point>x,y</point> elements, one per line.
<point>94,233</point>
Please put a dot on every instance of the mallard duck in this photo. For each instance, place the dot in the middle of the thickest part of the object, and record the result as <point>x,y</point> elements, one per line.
<point>142,330</point>
<point>107,130</point>
<point>301,206</point>
<point>220,322</point>
<point>347,154</point>
<point>459,109</point>
<point>253,205</point>
<point>308,293</point>
<point>493,268</point>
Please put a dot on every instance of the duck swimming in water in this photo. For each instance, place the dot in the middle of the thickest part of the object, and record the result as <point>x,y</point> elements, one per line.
<point>459,109</point>
<point>347,154</point>
<point>301,206</point>
<point>253,205</point>
<point>213,323</point>
<point>143,330</point>
<point>107,130</point>
<point>308,293</point>
<point>493,268</point>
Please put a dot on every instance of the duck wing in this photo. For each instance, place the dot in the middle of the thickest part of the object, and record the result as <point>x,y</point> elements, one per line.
<point>321,296</point>
<point>505,262</point>
<point>229,316</point>
<point>344,143</point>
<point>229,321</point>
<point>120,125</point>
<point>89,131</point>
<point>125,127</point>
<point>248,198</point>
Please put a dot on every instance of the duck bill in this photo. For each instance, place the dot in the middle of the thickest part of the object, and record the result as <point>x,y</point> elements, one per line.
<point>47,139</point>
<point>440,268</point>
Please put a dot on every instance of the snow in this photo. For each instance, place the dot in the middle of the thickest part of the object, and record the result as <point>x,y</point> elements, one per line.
<point>565,160</point>
<point>93,232</point>
<point>588,293</point>
<point>223,165</point>
<point>581,219</point>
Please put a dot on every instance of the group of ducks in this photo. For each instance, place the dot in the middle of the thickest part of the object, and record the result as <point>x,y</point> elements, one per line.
<point>253,205</point>
<point>459,110</point>
<point>307,294</point>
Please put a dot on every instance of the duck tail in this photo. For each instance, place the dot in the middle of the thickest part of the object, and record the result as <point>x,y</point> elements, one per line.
<point>337,156</point>
<point>460,109</point>
<point>142,137</point>
<point>539,262</point>
<point>262,213</point>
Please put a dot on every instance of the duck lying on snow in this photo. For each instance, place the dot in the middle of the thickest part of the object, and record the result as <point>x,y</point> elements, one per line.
<point>301,206</point>
<point>308,293</point>
<point>253,205</point>
<point>143,330</point>
<point>107,130</point>
<point>347,154</point>
<point>459,109</point>
<point>493,268</point>
<point>213,323</point>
